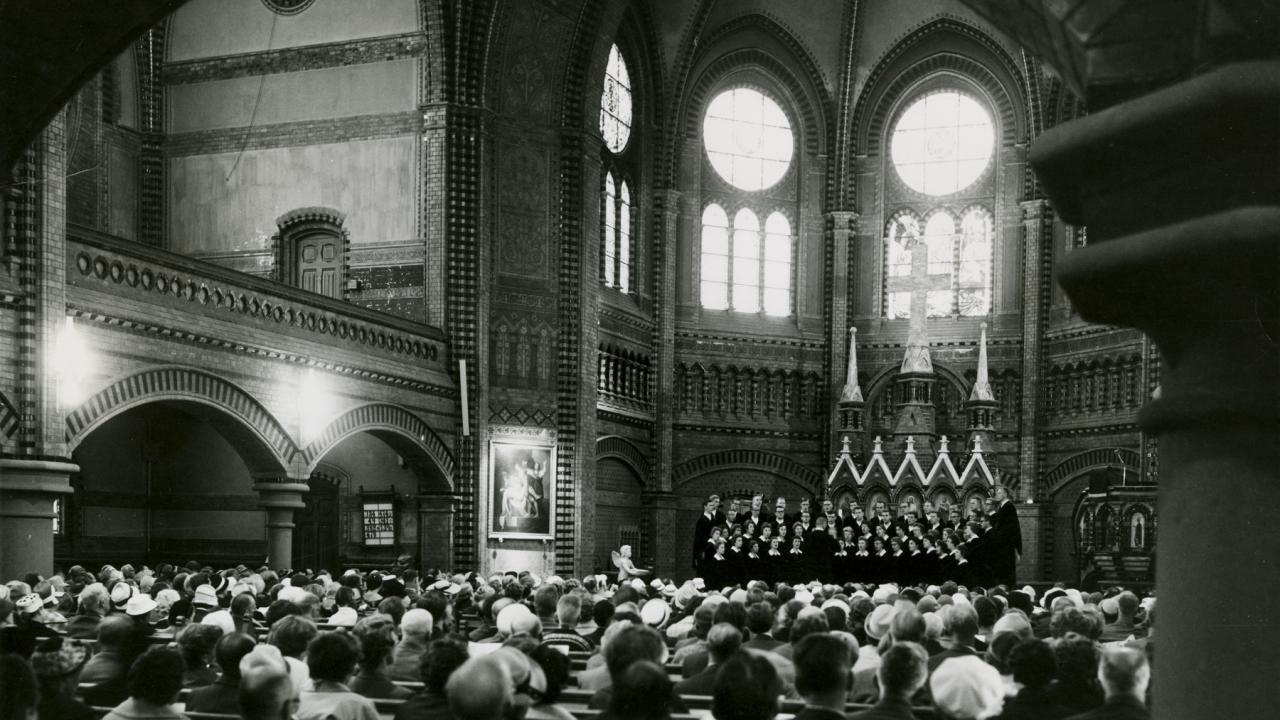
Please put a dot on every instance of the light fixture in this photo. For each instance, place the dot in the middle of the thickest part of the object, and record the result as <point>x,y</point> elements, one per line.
<point>315,404</point>
<point>72,364</point>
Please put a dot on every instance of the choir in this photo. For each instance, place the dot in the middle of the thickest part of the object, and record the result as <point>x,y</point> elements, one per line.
<point>977,546</point>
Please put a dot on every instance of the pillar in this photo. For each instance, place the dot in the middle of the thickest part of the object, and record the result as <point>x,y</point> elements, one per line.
<point>435,530</point>
<point>841,226</point>
<point>27,491</point>
<point>1185,245</point>
<point>663,512</point>
<point>280,498</point>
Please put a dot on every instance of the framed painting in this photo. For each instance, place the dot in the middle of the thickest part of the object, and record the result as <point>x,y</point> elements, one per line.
<point>522,471</point>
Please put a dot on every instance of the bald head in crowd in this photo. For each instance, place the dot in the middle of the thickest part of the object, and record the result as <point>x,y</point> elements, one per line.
<point>1124,672</point>
<point>266,694</point>
<point>480,690</point>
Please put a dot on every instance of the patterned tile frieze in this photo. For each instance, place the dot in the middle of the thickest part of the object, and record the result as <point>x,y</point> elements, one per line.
<point>310,57</point>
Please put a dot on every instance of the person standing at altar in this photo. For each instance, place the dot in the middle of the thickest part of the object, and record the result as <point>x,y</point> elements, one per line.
<point>1006,539</point>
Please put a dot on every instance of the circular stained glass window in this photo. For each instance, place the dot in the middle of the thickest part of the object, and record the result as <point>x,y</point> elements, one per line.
<point>942,143</point>
<point>615,103</point>
<point>748,138</point>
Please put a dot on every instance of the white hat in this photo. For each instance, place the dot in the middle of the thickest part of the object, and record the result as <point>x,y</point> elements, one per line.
<point>120,594</point>
<point>507,617</point>
<point>221,619</point>
<point>343,617</point>
<point>836,603</point>
<point>967,687</point>
<point>1110,606</point>
<point>167,597</point>
<point>292,594</point>
<point>877,623</point>
<point>139,604</point>
<point>883,593</point>
<point>738,596</point>
<point>1030,591</point>
<point>29,603</point>
<point>804,596</point>
<point>206,596</point>
<point>1076,597</point>
<point>417,622</point>
<point>699,584</point>
<point>638,584</point>
<point>655,613</point>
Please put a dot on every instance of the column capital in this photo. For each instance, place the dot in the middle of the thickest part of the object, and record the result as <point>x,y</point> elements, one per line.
<point>1034,209</point>
<point>838,220</point>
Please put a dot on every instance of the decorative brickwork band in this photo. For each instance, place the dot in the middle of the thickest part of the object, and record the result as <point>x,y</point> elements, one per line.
<point>747,459</point>
<point>379,419</point>
<point>9,419</point>
<point>267,447</point>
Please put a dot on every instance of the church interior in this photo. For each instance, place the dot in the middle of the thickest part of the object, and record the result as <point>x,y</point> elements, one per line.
<point>328,282</point>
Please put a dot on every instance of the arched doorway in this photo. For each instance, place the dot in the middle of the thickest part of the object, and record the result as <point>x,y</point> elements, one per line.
<point>166,481</point>
<point>619,511</point>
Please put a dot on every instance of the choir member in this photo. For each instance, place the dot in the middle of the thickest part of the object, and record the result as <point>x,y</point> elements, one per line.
<point>737,560</point>
<point>779,519</point>
<point>717,574</point>
<point>860,562</point>
<point>797,562</point>
<point>702,529</point>
<point>753,566</point>
<point>754,513</point>
<point>774,561</point>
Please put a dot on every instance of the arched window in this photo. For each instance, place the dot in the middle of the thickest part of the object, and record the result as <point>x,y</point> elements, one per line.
<point>746,265</point>
<point>311,250</point>
<point>941,150</point>
<point>617,204</point>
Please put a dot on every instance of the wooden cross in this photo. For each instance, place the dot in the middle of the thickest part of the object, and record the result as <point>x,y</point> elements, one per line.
<point>919,283</point>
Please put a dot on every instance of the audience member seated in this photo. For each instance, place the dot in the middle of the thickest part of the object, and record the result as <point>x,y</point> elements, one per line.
<point>265,694</point>
<point>222,695</point>
<point>18,691</point>
<point>960,622</point>
<point>436,664</point>
<point>760,623</point>
<point>94,605</point>
<point>966,688</point>
<point>154,682</point>
<point>1124,626</point>
<point>642,692</point>
<point>196,643</point>
<point>823,676</point>
<point>1076,686</point>
<point>747,688</point>
<point>633,643</point>
<point>56,663</point>
<point>563,632</point>
<point>1124,674</point>
<point>1033,666</point>
<point>723,642</point>
<point>902,673</point>
<point>108,669</point>
<point>376,635</point>
<point>292,634</point>
<point>481,689</point>
<point>332,658</point>
<point>553,664</point>
<point>415,634</point>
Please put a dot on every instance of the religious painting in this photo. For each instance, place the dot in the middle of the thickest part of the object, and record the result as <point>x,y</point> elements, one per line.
<point>522,487</point>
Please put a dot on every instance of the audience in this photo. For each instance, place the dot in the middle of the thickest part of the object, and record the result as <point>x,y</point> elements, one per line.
<point>818,646</point>
<point>222,696</point>
<point>56,663</point>
<point>332,658</point>
<point>437,663</point>
<point>1124,675</point>
<point>901,674</point>
<point>376,635</point>
<point>154,681</point>
<point>19,694</point>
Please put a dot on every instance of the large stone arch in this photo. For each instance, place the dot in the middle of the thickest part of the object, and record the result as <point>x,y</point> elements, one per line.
<point>1067,470</point>
<point>758,460</point>
<point>257,435</point>
<point>404,431</point>
<point>614,446</point>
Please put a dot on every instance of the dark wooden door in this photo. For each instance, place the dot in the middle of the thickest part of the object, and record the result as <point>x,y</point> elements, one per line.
<point>317,538</point>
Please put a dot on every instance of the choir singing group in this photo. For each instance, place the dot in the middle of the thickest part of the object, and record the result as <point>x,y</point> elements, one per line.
<point>978,545</point>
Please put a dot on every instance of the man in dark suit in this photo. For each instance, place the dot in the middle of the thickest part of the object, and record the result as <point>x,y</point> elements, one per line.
<point>823,676</point>
<point>723,640</point>
<point>1124,674</point>
<point>702,529</point>
<point>760,623</point>
<point>901,674</point>
<point>779,518</point>
<point>753,514</point>
<point>1006,545</point>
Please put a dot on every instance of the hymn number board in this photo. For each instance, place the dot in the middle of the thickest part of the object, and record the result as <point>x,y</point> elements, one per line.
<point>379,516</point>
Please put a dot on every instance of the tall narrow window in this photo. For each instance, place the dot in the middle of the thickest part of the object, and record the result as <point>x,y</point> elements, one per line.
<point>617,207</point>
<point>715,258</point>
<point>623,274</point>
<point>745,295</point>
<point>974,272</point>
<point>609,220</point>
<point>777,265</point>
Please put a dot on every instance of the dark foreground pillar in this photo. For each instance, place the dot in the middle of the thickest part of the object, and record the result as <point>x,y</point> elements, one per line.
<point>280,498</point>
<point>1180,190</point>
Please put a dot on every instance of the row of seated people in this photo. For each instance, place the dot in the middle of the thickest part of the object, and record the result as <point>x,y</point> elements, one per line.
<point>516,646</point>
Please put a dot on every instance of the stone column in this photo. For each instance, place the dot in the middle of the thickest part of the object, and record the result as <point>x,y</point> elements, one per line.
<point>841,225</point>
<point>280,497</point>
<point>1035,217</point>
<point>662,507</point>
<point>1180,190</point>
<point>435,530</point>
<point>27,491</point>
